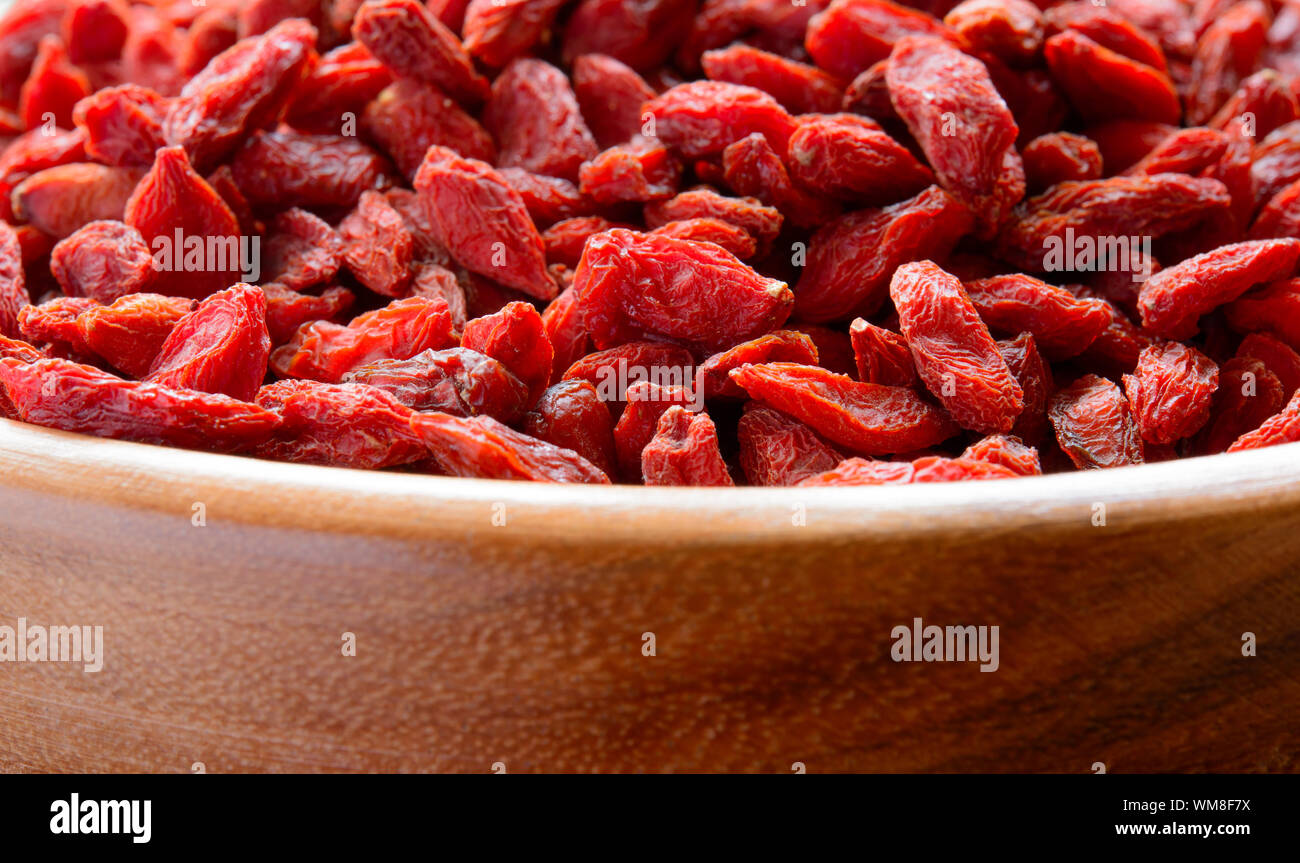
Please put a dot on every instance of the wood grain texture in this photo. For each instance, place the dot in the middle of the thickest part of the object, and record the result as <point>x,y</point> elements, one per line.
<point>522,643</point>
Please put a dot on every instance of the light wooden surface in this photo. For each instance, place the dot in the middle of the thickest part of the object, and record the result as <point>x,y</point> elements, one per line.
<point>522,643</point>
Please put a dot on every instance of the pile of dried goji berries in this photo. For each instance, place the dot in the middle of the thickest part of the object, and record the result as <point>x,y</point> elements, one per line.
<point>659,241</point>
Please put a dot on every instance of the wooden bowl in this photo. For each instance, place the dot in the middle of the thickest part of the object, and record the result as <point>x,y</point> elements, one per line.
<point>504,625</point>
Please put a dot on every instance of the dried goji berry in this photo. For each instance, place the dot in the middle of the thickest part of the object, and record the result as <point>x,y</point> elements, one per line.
<point>213,31</point>
<point>851,259</point>
<point>342,82</point>
<point>130,332</point>
<point>634,286</point>
<point>843,156</point>
<point>701,118</point>
<point>1103,84</point>
<point>483,222</point>
<point>103,261</point>
<point>303,251</point>
<point>1248,394</point>
<point>13,282</point>
<point>482,447</point>
<point>852,34</point>
<point>60,200</point>
<point>1009,452</point>
<point>776,449</point>
<point>882,356</point>
<point>65,395</point>
<point>571,415</point>
<point>290,170</point>
<point>1011,30</point>
<point>548,199</point>
<point>1278,357</point>
<point>961,122</point>
<point>498,31</point>
<point>220,347</point>
<point>54,322</point>
<point>954,354</point>
<point>287,310</point>
<point>610,94</point>
<point>752,168</point>
<point>377,247</point>
<point>178,213</point>
<point>457,381</point>
<point>1283,427</point>
<point>566,331</point>
<point>646,403</point>
<point>325,351</point>
<point>408,39</point>
<point>1059,157</point>
<point>763,222</point>
<point>800,88</point>
<point>735,240</point>
<point>639,171</point>
<point>123,125</point>
<point>1131,206</point>
<point>244,88</point>
<point>407,118</point>
<point>1062,325</point>
<point>684,451</point>
<point>1266,98</point>
<point>21,31</point>
<point>782,346</point>
<point>868,418</point>
<point>54,87</point>
<point>1170,392</point>
<point>640,33</point>
<point>517,338</point>
<point>36,151</point>
<point>348,425</point>
<point>614,370</point>
<point>1187,151</point>
<point>1226,54</point>
<point>1034,375</point>
<point>1093,424</point>
<point>1172,300</point>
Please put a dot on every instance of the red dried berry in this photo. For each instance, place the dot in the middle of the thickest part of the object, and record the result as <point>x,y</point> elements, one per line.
<point>1093,424</point>
<point>325,351</point>
<point>535,119</point>
<point>123,125</point>
<point>285,169</point>
<point>684,451</point>
<point>475,214</point>
<point>882,356</point>
<point>287,310</point>
<point>800,88</point>
<point>954,354</point>
<point>408,39</point>
<point>13,282</point>
<point>610,94</point>
<point>1281,428</point>
<point>864,417</point>
<point>763,222</point>
<point>1172,300</point>
<point>457,381</point>
<point>220,347</point>
<point>776,449</point>
<point>1009,452</point>
<point>853,34</point>
<point>572,416</point>
<point>634,286</point>
<point>65,395</point>
<point>377,247</point>
<point>701,118</point>
<point>407,118</point>
<point>1170,392</point>
<point>130,332</point>
<point>843,156</point>
<point>345,425</point>
<point>482,447</point>
<point>516,336</point>
<point>1247,396</point>
<point>60,200</point>
<point>962,124</point>
<point>782,346</point>
<point>245,88</point>
<point>851,259</point>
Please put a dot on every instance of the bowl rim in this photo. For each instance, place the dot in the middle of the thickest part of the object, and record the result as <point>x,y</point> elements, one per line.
<point>94,471</point>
